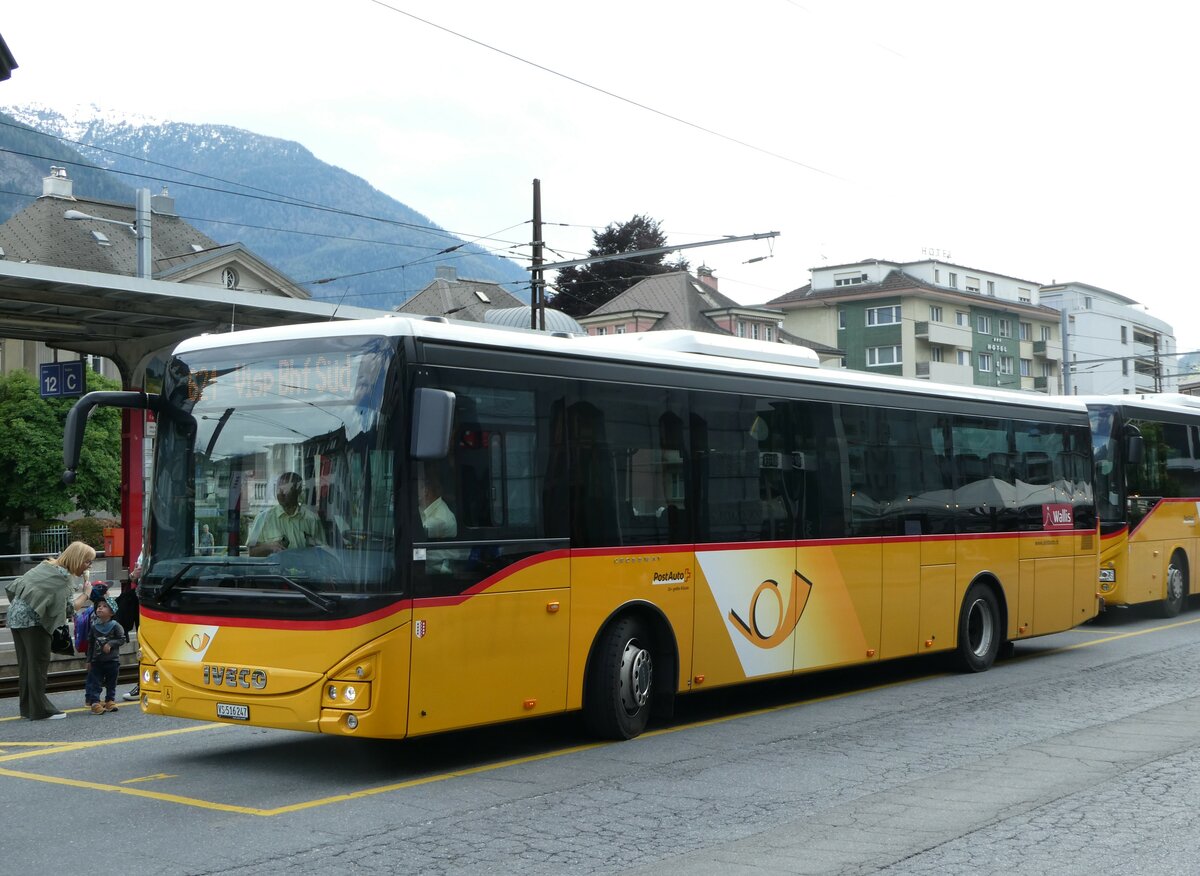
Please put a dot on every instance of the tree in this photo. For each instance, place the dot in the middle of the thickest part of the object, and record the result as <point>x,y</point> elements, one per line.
<point>582,289</point>
<point>31,454</point>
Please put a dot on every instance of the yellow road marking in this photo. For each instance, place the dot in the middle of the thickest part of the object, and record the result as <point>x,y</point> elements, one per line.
<point>153,778</point>
<point>66,747</point>
<point>455,774</point>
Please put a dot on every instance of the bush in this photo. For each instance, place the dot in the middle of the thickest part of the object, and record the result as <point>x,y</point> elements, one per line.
<point>91,530</point>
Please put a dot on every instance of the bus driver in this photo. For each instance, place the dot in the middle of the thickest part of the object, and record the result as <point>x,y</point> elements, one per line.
<point>286,525</point>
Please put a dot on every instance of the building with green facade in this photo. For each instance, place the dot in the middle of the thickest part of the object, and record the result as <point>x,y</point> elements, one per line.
<point>931,320</point>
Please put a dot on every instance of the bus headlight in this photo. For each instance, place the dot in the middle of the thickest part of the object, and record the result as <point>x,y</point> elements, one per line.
<point>1108,576</point>
<point>347,695</point>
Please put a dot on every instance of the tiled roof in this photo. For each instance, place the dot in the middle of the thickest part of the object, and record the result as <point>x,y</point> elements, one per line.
<point>896,282</point>
<point>41,235</point>
<point>459,299</point>
<point>681,297</point>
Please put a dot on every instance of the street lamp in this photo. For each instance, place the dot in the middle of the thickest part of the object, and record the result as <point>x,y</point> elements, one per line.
<point>140,228</point>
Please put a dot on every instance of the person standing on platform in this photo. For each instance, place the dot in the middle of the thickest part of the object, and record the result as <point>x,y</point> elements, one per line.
<point>105,639</point>
<point>39,601</point>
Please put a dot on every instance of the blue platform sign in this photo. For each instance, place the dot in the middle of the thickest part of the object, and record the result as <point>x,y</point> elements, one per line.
<point>61,379</point>
<point>72,378</point>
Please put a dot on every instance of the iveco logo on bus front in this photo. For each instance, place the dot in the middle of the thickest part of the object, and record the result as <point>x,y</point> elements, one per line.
<point>234,676</point>
<point>1057,515</point>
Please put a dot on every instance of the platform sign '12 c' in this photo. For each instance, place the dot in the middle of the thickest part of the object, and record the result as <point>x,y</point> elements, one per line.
<point>61,379</point>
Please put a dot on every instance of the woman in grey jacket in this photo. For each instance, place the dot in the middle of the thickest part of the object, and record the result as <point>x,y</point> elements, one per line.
<point>39,601</point>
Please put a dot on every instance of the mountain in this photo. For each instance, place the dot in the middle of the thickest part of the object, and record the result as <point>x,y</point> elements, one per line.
<point>309,219</point>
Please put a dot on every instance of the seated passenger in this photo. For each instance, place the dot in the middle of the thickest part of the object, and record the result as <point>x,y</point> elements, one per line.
<point>286,525</point>
<point>437,520</point>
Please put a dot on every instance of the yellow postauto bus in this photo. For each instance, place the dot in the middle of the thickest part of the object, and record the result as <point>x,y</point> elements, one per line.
<point>419,525</point>
<point>1147,450</point>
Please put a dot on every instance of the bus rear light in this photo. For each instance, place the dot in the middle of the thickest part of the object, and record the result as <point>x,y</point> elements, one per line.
<point>530,704</point>
<point>870,652</point>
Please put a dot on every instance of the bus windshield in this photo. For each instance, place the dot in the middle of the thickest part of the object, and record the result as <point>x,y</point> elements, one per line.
<point>273,478</point>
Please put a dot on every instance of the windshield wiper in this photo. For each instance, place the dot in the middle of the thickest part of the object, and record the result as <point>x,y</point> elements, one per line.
<point>324,603</point>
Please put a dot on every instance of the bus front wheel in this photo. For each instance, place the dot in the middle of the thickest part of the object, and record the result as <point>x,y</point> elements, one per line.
<point>979,633</point>
<point>621,683</point>
<point>1177,586</point>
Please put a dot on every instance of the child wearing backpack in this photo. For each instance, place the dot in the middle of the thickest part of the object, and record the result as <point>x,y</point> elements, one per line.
<point>105,638</point>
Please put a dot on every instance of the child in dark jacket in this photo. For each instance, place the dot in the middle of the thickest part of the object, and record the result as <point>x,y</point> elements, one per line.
<point>104,657</point>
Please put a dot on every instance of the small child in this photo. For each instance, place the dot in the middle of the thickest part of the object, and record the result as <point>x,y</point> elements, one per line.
<point>104,656</point>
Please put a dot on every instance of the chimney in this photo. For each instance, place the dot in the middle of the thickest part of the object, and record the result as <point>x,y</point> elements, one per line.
<point>57,185</point>
<point>163,204</point>
<point>706,276</point>
<point>447,273</point>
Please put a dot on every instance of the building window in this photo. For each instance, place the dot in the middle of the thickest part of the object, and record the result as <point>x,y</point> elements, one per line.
<point>937,276</point>
<point>883,315</point>
<point>992,288</point>
<point>985,361</point>
<point>741,329</point>
<point>883,356</point>
<point>1047,369</point>
<point>972,284</point>
<point>964,357</point>
<point>1124,367</point>
<point>1087,302</point>
<point>1004,365</point>
<point>770,333</point>
<point>841,320</point>
<point>961,318</point>
<point>1045,333</point>
<point>260,491</point>
<point>849,279</point>
<point>1024,296</point>
<point>755,329</point>
<point>602,330</point>
<point>953,280</point>
<point>1124,334</point>
<point>1026,367</point>
<point>983,324</point>
<point>1004,328</point>
<point>935,354</point>
<point>620,329</point>
<point>935,313</point>
<point>1026,330</point>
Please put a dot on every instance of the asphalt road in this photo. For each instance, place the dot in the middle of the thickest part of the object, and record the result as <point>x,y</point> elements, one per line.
<point>1077,756</point>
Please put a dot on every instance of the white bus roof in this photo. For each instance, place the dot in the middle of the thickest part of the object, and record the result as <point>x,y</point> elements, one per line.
<point>681,349</point>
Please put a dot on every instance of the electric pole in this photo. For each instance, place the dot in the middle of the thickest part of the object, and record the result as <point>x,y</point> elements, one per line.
<point>537,288</point>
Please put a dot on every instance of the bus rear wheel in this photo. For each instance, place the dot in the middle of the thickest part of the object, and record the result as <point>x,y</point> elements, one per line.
<point>621,683</point>
<point>979,633</point>
<point>1177,586</point>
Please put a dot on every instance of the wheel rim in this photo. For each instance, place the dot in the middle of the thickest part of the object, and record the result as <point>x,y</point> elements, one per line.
<point>1174,583</point>
<point>637,670</point>
<point>980,628</point>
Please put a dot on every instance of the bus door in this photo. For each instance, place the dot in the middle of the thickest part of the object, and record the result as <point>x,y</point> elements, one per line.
<point>630,512</point>
<point>491,576</point>
<point>913,472</point>
<point>1052,472</point>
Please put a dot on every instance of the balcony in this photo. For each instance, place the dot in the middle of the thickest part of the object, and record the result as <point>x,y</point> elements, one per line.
<point>942,334</point>
<point>946,372</point>
<point>1048,350</point>
<point>1041,384</point>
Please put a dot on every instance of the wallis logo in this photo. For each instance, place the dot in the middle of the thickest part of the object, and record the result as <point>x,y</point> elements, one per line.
<point>760,630</point>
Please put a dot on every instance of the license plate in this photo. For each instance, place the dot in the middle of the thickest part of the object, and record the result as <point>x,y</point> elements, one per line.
<point>232,710</point>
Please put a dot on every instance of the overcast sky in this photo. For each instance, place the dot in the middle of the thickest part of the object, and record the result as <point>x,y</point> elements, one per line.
<point>1049,141</point>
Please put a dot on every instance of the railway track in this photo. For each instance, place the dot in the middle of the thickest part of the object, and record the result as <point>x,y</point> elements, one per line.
<point>66,679</point>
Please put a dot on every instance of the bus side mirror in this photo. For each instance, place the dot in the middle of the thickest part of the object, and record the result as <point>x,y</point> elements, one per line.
<point>433,416</point>
<point>1133,447</point>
